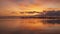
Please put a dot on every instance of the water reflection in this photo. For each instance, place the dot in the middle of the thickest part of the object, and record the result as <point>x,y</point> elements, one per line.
<point>29,26</point>
<point>51,21</point>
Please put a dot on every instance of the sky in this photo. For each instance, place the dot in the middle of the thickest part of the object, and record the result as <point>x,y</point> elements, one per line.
<point>13,7</point>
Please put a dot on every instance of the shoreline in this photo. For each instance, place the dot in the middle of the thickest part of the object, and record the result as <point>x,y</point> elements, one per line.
<point>25,17</point>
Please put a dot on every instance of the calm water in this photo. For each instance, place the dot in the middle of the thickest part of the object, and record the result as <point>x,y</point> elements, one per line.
<point>29,26</point>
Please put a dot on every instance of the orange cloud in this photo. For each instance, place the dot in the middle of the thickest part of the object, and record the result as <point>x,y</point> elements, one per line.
<point>7,6</point>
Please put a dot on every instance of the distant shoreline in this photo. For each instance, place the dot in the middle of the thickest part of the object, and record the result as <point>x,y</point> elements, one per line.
<point>13,17</point>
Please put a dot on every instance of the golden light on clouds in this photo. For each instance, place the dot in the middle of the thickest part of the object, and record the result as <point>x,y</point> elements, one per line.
<point>9,6</point>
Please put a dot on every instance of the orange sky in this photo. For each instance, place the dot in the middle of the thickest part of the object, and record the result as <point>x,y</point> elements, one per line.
<point>9,6</point>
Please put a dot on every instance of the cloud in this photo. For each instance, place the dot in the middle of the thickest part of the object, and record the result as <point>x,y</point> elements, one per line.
<point>23,5</point>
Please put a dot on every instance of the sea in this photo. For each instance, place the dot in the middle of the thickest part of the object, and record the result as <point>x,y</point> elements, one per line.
<point>29,26</point>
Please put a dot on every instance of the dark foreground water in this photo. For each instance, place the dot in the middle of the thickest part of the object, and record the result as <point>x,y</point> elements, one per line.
<point>30,26</point>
